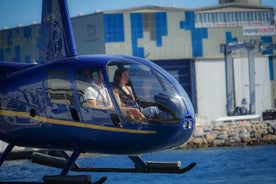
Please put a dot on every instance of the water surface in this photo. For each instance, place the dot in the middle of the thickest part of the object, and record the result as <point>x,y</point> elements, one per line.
<point>251,164</point>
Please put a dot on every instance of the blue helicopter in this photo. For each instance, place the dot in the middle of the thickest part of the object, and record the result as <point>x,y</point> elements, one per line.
<point>44,105</point>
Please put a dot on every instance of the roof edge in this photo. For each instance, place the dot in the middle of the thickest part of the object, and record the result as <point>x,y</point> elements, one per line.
<point>233,5</point>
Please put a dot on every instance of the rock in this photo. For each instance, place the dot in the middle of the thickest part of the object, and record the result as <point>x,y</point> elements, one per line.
<point>270,130</point>
<point>211,136</point>
<point>198,140</point>
<point>232,134</point>
<point>218,142</point>
<point>268,138</point>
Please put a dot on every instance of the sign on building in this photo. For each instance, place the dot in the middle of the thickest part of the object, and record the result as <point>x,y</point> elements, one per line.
<point>259,30</point>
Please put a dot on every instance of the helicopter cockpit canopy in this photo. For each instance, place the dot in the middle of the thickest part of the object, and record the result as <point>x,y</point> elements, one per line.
<point>155,94</point>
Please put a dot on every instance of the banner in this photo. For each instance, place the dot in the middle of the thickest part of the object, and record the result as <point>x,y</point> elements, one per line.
<point>259,30</point>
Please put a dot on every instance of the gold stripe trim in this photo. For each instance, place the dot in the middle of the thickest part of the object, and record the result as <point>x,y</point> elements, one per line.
<point>71,123</point>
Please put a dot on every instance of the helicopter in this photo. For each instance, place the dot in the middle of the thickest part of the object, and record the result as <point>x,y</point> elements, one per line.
<point>43,105</point>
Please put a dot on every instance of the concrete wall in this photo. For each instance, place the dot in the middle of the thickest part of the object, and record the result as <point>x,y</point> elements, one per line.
<point>19,44</point>
<point>89,34</point>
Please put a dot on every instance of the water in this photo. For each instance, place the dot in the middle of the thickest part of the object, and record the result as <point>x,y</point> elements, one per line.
<point>252,164</point>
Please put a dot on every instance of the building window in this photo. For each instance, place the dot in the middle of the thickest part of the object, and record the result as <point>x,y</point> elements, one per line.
<point>232,19</point>
<point>114,28</point>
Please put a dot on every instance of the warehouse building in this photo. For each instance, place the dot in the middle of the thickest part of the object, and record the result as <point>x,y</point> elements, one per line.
<point>185,42</point>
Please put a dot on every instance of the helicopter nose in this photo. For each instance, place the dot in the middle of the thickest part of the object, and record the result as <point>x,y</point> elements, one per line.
<point>187,124</point>
<point>186,130</point>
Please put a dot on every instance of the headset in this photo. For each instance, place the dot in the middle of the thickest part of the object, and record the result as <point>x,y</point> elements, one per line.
<point>95,74</point>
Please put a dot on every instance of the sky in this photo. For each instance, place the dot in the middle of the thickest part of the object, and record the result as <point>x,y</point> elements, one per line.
<point>26,12</point>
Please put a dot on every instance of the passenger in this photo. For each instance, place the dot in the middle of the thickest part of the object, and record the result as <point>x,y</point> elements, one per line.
<point>121,90</point>
<point>125,98</point>
<point>96,95</point>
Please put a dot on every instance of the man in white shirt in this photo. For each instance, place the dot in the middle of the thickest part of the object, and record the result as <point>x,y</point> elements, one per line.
<point>96,95</point>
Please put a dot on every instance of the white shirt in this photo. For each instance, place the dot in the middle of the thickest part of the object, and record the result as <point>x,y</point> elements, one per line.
<point>98,93</point>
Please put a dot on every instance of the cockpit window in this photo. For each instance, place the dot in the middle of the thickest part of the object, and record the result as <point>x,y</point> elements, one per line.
<point>147,84</point>
<point>91,89</point>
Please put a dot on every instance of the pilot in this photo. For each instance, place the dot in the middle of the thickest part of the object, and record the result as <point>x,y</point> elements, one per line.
<point>125,98</point>
<point>96,95</point>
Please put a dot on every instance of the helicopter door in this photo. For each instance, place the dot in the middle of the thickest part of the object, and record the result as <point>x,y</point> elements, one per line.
<point>95,102</point>
<point>60,94</point>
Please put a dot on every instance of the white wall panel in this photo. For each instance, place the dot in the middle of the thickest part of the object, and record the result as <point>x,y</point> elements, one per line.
<point>210,87</point>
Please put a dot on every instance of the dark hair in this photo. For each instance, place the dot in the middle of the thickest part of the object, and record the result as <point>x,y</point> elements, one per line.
<point>118,75</point>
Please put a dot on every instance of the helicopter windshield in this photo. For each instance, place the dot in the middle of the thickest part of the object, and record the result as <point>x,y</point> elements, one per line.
<point>136,86</point>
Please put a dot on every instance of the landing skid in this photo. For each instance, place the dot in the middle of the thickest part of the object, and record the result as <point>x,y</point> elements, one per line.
<point>149,169</point>
<point>140,165</point>
<point>59,179</point>
<point>62,160</point>
<point>82,179</point>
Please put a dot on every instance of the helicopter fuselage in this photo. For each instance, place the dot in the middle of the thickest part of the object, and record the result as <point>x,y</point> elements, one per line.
<point>42,107</point>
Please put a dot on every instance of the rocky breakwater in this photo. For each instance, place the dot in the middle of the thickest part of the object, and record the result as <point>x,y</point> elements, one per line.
<point>233,134</point>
